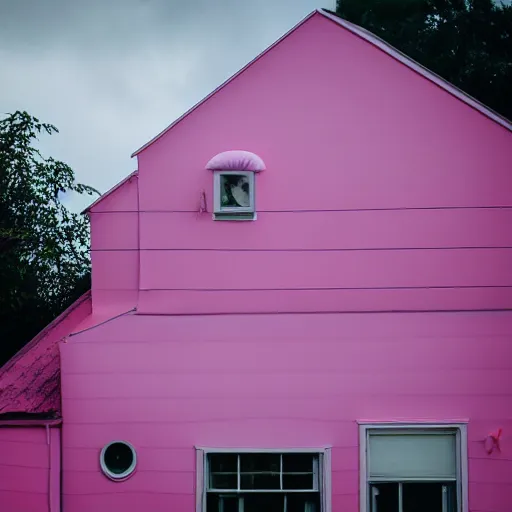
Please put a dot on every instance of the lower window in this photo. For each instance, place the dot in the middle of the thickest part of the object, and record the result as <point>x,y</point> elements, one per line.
<point>413,470</point>
<point>269,482</point>
<point>413,497</point>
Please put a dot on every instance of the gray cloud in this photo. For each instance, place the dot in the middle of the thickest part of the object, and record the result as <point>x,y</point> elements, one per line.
<point>111,75</point>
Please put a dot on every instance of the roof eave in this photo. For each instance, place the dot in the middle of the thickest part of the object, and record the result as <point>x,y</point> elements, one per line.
<point>30,422</point>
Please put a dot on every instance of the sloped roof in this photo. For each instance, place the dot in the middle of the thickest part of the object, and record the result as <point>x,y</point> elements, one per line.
<point>378,43</point>
<point>30,381</point>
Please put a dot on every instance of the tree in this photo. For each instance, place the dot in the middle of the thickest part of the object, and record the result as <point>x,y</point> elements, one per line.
<point>467,42</point>
<point>44,259</point>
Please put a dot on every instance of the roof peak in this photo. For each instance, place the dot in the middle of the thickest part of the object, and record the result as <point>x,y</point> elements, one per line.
<point>370,38</point>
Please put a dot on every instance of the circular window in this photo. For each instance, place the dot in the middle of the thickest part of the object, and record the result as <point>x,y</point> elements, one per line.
<point>118,460</point>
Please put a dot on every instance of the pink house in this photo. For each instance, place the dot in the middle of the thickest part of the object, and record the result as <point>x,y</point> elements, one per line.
<point>301,302</point>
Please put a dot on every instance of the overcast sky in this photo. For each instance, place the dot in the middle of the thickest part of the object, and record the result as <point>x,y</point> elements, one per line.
<point>111,74</point>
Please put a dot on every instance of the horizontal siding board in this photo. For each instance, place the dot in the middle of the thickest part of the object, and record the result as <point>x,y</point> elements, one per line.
<point>492,497</point>
<point>290,270</point>
<point>415,327</point>
<point>33,435</point>
<point>113,302</point>
<point>306,357</point>
<point>116,501</point>
<point>345,482</point>
<point>314,301</point>
<point>114,231</point>
<point>163,459</point>
<point>378,404</point>
<point>24,501</point>
<point>154,386</point>
<point>23,479</point>
<point>491,470</point>
<point>345,458</point>
<point>83,482</point>
<point>115,270</point>
<point>248,433</point>
<point>363,229</point>
<point>33,455</point>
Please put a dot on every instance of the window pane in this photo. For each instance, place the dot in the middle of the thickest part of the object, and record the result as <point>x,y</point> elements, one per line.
<point>303,502</point>
<point>426,497</point>
<point>412,455</point>
<point>223,471</point>
<point>263,502</point>
<point>384,498</point>
<point>223,462</point>
<point>216,503</point>
<point>234,191</point>
<point>223,481</point>
<point>256,462</point>
<point>298,481</point>
<point>298,462</point>
<point>260,481</point>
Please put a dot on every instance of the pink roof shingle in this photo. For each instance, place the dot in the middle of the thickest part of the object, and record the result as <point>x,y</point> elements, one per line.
<point>30,381</point>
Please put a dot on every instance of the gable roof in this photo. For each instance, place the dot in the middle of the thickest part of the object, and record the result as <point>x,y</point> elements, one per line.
<point>375,41</point>
<point>30,381</point>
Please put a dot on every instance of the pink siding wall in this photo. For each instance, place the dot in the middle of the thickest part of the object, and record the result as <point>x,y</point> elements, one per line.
<point>114,249</point>
<point>379,186</point>
<point>29,469</point>
<point>168,383</point>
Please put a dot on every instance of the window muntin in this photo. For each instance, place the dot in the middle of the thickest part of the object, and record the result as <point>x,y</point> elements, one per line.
<point>255,481</point>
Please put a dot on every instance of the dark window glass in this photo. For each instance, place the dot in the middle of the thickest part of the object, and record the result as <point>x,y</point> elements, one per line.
<point>386,497</point>
<point>118,458</point>
<point>235,191</point>
<point>291,481</point>
<point>215,503</point>
<point>427,497</point>
<point>263,502</point>
<point>223,481</point>
<point>256,462</point>
<point>260,471</point>
<point>223,462</point>
<point>297,462</point>
<point>223,471</point>
<point>303,502</point>
<point>260,481</point>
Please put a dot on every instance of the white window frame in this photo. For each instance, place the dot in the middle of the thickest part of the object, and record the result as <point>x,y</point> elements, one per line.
<point>230,212</point>
<point>460,429</point>
<point>324,453</point>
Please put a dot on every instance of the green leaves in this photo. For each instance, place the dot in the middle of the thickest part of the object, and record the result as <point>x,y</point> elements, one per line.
<point>467,42</point>
<point>44,259</point>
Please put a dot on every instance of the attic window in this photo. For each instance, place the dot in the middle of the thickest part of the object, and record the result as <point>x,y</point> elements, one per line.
<point>234,184</point>
<point>233,195</point>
